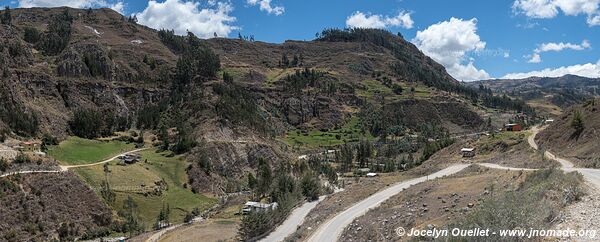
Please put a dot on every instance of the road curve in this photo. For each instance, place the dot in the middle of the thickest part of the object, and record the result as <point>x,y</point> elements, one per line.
<point>592,176</point>
<point>333,228</point>
<point>566,164</point>
<point>291,223</point>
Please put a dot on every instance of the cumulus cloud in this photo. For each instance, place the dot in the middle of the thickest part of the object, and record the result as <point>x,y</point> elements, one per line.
<point>556,47</point>
<point>183,16</point>
<point>534,58</point>
<point>115,5</point>
<point>449,42</point>
<point>265,5</point>
<point>550,9</point>
<point>588,70</point>
<point>361,20</point>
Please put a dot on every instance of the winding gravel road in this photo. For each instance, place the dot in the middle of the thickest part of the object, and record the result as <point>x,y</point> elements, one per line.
<point>333,228</point>
<point>592,176</point>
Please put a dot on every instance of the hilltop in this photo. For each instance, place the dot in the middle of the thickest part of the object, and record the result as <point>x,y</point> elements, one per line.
<point>548,94</point>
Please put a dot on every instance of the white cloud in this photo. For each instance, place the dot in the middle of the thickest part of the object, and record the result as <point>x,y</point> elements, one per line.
<point>593,20</point>
<point>556,47</point>
<point>449,42</point>
<point>361,20</point>
<point>265,5</point>
<point>550,9</point>
<point>535,58</point>
<point>119,7</point>
<point>116,5</point>
<point>183,16</point>
<point>587,70</point>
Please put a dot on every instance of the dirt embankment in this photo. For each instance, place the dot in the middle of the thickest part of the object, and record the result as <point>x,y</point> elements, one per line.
<point>564,140</point>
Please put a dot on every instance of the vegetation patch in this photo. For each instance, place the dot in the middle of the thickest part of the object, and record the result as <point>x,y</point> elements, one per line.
<point>351,131</point>
<point>157,181</point>
<point>77,151</point>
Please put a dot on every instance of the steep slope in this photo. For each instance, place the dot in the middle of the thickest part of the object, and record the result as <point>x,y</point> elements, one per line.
<point>44,207</point>
<point>563,137</point>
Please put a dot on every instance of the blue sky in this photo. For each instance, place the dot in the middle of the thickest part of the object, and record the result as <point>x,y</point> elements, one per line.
<point>473,39</point>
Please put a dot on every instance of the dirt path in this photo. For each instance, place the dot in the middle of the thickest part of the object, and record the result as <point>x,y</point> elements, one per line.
<point>566,164</point>
<point>66,168</point>
<point>592,176</point>
<point>332,229</point>
<point>104,161</point>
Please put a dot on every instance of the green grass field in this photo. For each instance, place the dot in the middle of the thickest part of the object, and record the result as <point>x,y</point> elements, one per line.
<point>76,151</point>
<point>134,180</point>
<point>350,132</point>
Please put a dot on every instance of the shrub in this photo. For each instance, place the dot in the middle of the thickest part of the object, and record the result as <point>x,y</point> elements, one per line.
<point>32,35</point>
<point>4,165</point>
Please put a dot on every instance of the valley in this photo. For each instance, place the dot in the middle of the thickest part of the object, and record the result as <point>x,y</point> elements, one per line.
<point>111,130</point>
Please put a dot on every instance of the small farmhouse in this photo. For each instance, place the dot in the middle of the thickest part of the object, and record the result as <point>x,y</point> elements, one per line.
<point>467,152</point>
<point>513,127</point>
<point>257,207</point>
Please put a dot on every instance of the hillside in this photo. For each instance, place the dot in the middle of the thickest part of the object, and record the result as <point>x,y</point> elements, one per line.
<point>216,111</point>
<point>549,94</point>
<point>123,71</point>
<point>563,138</point>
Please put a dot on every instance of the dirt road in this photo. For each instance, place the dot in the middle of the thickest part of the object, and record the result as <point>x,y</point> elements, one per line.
<point>291,223</point>
<point>332,229</point>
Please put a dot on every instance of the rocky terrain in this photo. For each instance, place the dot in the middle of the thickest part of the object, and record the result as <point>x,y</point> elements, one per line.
<point>43,207</point>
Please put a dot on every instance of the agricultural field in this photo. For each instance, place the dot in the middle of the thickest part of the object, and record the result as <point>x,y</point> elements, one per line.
<point>77,151</point>
<point>156,180</point>
<point>351,131</point>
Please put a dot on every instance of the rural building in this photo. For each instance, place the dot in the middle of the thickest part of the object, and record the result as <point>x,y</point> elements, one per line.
<point>548,121</point>
<point>29,146</point>
<point>371,174</point>
<point>257,207</point>
<point>513,127</point>
<point>130,158</point>
<point>467,152</point>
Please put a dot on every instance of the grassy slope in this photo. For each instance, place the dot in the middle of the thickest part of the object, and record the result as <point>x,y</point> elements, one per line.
<point>75,151</point>
<point>127,180</point>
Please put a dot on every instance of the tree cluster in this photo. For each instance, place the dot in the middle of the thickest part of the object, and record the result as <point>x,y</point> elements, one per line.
<point>6,17</point>
<point>16,116</point>
<point>91,123</point>
<point>56,38</point>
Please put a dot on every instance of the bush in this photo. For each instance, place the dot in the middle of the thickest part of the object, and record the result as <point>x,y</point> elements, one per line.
<point>4,165</point>
<point>58,35</point>
<point>311,188</point>
<point>32,35</point>
<point>22,158</point>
